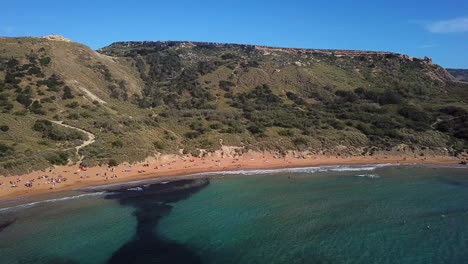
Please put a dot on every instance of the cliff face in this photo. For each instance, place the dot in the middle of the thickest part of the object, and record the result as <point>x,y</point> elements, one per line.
<point>195,44</point>
<point>143,98</point>
<point>265,49</point>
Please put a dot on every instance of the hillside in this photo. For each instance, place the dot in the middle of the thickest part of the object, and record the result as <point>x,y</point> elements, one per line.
<point>459,74</point>
<point>140,99</point>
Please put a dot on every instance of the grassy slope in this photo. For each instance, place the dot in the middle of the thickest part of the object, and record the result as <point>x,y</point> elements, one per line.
<point>183,106</point>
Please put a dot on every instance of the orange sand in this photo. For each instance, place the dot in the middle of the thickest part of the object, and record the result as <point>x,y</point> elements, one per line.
<point>176,165</point>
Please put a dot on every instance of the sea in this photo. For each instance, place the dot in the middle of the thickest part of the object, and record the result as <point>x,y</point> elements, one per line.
<point>331,214</point>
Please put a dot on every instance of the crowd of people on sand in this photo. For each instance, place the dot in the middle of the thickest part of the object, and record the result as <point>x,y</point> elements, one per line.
<point>105,175</point>
<point>53,181</point>
<point>30,183</point>
<point>109,172</point>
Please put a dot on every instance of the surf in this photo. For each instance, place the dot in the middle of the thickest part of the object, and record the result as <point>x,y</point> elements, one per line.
<point>31,204</point>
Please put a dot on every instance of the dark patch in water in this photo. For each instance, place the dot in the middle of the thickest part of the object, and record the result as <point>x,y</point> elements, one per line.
<point>455,181</point>
<point>151,203</point>
<point>48,260</point>
<point>5,223</point>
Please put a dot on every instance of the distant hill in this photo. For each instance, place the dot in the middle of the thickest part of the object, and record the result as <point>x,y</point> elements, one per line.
<point>459,74</point>
<point>149,97</point>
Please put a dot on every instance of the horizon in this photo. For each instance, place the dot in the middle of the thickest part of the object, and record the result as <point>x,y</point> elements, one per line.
<point>430,28</point>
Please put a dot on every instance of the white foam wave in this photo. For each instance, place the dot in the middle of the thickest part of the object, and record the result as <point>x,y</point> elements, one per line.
<point>135,189</point>
<point>373,176</point>
<point>28,205</point>
<point>337,168</point>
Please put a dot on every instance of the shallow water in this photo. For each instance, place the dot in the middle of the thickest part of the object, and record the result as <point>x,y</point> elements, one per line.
<point>369,214</point>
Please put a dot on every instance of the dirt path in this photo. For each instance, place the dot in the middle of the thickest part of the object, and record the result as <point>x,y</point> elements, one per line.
<point>91,137</point>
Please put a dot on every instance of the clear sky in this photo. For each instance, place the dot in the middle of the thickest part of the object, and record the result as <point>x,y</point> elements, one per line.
<point>434,28</point>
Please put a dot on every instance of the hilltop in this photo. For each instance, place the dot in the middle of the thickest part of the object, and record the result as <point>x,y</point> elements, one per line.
<point>146,98</point>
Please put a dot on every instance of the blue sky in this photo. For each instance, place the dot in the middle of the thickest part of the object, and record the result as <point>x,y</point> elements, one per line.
<point>434,28</point>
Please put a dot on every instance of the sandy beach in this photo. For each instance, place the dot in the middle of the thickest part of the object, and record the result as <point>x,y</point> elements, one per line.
<point>62,178</point>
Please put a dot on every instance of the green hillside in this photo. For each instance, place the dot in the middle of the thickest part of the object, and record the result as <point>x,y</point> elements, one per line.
<point>144,98</point>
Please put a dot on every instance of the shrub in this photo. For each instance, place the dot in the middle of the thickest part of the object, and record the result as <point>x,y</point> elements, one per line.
<point>252,64</point>
<point>12,63</point>
<point>365,128</point>
<point>44,61</point>
<point>46,100</point>
<point>192,134</point>
<point>44,143</point>
<point>73,104</point>
<point>300,141</point>
<point>199,127</point>
<point>216,126</point>
<point>4,128</point>
<point>228,56</point>
<point>347,96</point>
<point>206,144</point>
<point>34,70</point>
<point>453,111</point>
<point>86,114</point>
<point>337,124</point>
<point>295,98</point>
<point>413,113</point>
<point>73,116</point>
<point>169,136</point>
<point>36,108</point>
<point>205,67</point>
<point>226,85</point>
<point>67,93</point>
<point>42,125</point>
<point>58,158</point>
<point>5,150</point>
<point>112,163</point>
<point>117,143</point>
<point>24,99</point>
<point>235,128</point>
<point>52,83</point>
<point>11,79</point>
<point>390,97</point>
<point>256,128</point>
<point>443,126</point>
<point>159,145</point>
<point>286,133</point>
<point>462,133</point>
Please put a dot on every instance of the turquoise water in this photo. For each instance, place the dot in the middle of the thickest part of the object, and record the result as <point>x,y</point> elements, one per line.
<point>340,215</point>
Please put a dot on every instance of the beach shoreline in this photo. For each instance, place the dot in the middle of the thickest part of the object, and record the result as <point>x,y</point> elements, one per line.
<point>175,167</point>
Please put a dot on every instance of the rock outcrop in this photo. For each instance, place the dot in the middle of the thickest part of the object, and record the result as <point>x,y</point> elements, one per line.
<point>57,38</point>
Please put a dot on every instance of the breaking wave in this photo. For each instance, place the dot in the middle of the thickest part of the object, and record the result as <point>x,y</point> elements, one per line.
<point>27,205</point>
<point>373,176</point>
<point>337,168</point>
<point>135,189</point>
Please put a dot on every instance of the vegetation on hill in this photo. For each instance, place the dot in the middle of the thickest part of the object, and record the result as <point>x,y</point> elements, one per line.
<point>143,98</point>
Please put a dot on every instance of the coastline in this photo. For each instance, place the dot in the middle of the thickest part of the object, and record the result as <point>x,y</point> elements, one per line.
<point>172,167</point>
